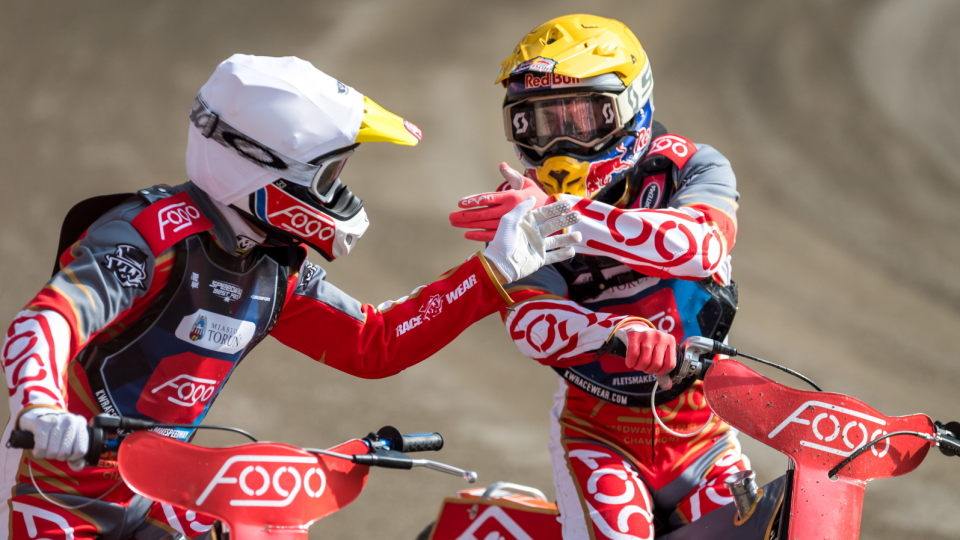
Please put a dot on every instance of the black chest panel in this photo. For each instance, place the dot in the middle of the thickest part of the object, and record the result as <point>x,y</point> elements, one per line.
<point>170,365</point>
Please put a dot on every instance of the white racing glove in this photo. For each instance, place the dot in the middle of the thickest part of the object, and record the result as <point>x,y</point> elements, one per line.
<point>57,435</point>
<point>523,243</point>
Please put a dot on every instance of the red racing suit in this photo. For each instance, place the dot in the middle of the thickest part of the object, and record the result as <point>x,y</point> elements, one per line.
<point>149,313</point>
<point>657,254</point>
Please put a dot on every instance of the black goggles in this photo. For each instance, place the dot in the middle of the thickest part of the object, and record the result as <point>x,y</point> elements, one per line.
<point>583,119</point>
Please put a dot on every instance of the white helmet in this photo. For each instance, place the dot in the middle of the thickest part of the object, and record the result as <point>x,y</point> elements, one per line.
<point>271,135</point>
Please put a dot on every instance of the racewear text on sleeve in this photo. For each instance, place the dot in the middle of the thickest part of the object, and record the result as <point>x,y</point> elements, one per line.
<point>375,342</point>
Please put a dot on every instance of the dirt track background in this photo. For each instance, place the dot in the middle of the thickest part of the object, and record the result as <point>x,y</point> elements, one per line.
<point>840,118</point>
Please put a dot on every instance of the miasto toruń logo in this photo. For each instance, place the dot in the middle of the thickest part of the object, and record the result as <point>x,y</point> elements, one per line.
<point>216,332</point>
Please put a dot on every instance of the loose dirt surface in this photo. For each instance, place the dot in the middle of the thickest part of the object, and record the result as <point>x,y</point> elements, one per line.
<point>840,119</point>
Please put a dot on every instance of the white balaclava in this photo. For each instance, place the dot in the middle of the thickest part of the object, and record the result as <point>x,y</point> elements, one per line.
<point>284,103</point>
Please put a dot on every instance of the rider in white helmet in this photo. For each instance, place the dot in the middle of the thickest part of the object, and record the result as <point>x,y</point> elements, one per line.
<point>158,295</point>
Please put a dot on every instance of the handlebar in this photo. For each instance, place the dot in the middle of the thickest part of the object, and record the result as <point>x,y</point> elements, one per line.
<point>692,355</point>
<point>387,446</point>
<point>693,358</point>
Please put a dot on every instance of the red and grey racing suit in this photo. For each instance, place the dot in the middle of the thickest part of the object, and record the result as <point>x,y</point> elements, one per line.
<point>660,255</point>
<point>152,309</point>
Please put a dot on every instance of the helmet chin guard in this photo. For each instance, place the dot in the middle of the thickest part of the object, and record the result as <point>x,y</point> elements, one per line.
<point>331,230</point>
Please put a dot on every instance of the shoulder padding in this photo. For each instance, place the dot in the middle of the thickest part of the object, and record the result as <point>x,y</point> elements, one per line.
<point>677,149</point>
<point>81,217</point>
<point>171,217</point>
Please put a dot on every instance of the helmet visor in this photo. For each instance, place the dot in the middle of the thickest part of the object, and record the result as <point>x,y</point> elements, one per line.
<point>583,119</point>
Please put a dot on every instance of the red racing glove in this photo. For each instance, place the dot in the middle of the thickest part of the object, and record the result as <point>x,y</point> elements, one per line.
<point>648,350</point>
<point>483,211</point>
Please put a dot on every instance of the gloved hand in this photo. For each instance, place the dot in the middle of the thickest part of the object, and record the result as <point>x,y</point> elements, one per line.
<point>57,435</point>
<point>483,211</point>
<point>521,244</point>
<point>648,350</point>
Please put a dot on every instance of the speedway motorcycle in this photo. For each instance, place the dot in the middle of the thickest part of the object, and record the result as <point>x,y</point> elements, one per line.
<point>256,491</point>
<point>836,444</point>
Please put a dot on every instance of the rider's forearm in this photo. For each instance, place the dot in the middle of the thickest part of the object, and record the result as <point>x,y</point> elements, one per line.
<point>686,243</point>
<point>374,342</point>
<point>558,332</point>
<point>35,356</point>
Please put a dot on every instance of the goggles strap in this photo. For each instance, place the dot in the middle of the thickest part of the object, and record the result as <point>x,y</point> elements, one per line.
<point>213,127</point>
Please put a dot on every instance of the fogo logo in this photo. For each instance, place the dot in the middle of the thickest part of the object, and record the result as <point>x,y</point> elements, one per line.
<point>835,429</point>
<point>178,216</point>
<point>266,481</point>
<point>303,222</point>
<point>181,387</point>
<point>188,390</point>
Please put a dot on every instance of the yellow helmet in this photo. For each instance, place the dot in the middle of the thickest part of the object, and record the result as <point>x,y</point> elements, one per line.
<point>579,46</point>
<point>579,103</point>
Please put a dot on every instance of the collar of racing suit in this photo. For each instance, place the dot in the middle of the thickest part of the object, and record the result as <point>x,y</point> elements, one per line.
<point>233,233</point>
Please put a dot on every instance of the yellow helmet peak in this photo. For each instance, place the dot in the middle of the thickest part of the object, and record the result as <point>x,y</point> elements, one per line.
<point>578,46</point>
<point>381,125</point>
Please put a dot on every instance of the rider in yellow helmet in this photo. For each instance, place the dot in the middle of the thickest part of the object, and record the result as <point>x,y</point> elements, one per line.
<point>659,220</point>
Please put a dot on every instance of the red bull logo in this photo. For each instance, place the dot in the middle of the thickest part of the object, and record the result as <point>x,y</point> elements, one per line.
<point>603,172</point>
<point>549,80</point>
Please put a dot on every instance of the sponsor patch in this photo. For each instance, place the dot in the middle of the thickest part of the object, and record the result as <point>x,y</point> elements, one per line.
<point>603,172</point>
<point>433,307</point>
<point>538,64</point>
<point>413,129</point>
<point>281,210</point>
<point>228,291</point>
<point>652,192</point>
<point>408,325</point>
<point>467,284</point>
<point>181,387</point>
<point>215,332</point>
<point>129,264</point>
<point>167,221</point>
<point>307,274</point>
<point>532,81</point>
<point>677,149</point>
<point>245,243</point>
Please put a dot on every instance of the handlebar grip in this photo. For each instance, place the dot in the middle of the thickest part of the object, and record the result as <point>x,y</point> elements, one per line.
<point>422,442</point>
<point>615,347</point>
<point>20,438</point>
<point>950,445</point>
<point>416,442</point>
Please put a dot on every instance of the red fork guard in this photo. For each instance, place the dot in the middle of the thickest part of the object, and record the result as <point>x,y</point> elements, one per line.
<point>262,491</point>
<point>817,430</point>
